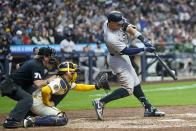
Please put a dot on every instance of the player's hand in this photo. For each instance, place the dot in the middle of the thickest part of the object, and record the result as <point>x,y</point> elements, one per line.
<point>148,43</point>
<point>149,49</point>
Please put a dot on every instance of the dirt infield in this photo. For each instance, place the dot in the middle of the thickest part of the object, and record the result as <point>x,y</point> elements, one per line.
<point>178,118</point>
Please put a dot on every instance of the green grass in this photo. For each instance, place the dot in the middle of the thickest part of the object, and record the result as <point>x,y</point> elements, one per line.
<point>161,94</point>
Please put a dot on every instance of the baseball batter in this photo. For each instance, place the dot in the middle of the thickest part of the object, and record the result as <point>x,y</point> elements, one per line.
<point>46,98</point>
<point>116,34</point>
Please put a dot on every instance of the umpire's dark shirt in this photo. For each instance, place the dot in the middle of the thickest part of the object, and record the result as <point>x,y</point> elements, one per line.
<point>29,72</point>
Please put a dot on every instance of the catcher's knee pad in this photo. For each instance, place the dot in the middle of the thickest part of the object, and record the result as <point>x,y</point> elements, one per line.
<point>51,120</point>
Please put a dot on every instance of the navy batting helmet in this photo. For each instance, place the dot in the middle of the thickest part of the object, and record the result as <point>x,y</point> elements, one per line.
<point>116,16</point>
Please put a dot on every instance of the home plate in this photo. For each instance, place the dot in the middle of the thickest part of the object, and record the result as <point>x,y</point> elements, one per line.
<point>172,120</point>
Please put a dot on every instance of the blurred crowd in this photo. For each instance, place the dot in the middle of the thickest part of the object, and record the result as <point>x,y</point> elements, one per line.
<point>50,21</point>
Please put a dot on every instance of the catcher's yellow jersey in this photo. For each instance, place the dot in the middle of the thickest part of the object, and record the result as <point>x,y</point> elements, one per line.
<point>57,86</point>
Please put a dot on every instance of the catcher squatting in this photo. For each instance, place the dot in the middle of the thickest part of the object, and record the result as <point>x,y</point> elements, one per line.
<point>46,98</point>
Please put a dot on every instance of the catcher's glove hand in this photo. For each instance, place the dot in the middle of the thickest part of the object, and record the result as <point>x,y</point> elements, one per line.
<point>102,82</point>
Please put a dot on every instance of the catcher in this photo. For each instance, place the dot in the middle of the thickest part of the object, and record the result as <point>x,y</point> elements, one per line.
<point>46,98</point>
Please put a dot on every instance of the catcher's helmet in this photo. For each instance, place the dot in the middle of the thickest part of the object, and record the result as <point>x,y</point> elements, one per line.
<point>116,16</point>
<point>67,67</point>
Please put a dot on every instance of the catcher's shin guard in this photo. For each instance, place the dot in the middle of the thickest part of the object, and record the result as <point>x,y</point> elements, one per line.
<point>51,120</point>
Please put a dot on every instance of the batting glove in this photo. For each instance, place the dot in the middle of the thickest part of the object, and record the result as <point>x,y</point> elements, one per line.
<point>148,43</point>
<point>149,49</point>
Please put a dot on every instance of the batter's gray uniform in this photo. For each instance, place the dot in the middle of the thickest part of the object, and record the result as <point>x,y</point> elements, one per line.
<point>116,41</point>
<point>116,36</point>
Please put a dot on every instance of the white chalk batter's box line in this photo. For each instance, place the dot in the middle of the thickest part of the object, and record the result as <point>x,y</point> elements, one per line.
<point>158,89</point>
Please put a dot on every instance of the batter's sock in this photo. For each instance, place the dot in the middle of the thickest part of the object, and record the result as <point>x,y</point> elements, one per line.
<point>116,94</point>
<point>139,94</point>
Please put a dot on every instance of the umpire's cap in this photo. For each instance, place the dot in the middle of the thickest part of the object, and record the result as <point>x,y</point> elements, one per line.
<point>116,16</point>
<point>46,51</point>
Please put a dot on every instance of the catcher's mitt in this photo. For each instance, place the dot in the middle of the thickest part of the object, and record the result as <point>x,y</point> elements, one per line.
<point>102,82</point>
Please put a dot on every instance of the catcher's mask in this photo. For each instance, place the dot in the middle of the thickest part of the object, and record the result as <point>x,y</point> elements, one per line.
<point>70,67</point>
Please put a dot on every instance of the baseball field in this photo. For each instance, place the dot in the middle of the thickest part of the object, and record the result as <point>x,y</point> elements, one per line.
<point>177,99</point>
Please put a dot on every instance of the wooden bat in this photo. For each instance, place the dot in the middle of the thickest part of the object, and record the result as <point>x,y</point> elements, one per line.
<point>170,72</point>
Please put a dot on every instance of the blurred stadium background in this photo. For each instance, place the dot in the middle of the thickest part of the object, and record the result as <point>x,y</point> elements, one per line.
<point>170,24</point>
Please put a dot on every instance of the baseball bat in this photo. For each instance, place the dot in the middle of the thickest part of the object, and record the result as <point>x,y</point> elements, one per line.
<point>170,72</point>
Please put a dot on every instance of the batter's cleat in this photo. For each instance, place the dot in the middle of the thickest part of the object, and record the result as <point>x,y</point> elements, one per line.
<point>153,112</point>
<point>98,108</point>
<point>12,123</point>
<point>28,122</point>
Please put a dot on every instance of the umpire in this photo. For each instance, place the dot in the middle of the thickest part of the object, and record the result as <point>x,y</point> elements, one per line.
<point>20,85</point>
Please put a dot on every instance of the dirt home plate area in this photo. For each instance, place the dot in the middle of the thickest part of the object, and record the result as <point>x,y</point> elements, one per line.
<point>178,118</point>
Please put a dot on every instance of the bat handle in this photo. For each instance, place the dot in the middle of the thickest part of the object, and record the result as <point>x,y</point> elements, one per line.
<point>155,53</point>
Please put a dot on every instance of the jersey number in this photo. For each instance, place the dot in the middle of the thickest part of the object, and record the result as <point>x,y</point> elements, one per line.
<point>37,75</point>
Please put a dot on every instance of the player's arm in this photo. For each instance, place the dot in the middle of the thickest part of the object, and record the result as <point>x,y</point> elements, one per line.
<point>133,31</point>
<point>46,95</point>
<point>132,51</point>
<point>101,82</point>
<point>40,83</point>
<point>83,87</point>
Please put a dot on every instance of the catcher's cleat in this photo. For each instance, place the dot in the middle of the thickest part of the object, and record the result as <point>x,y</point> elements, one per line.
<point>12,123</point>
<point>153,112</point>
<point>98,108</point>
<point>28,122</point>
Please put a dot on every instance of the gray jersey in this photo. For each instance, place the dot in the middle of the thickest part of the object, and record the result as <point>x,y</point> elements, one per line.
<point>116,41</point>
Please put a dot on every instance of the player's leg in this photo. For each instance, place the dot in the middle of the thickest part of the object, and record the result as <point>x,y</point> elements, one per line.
<point>49,120</point>
<point>149,109</point>
<point>125,79</point>
<point>139,94</point>
<point>47,116</point>
<point>19,112</point>
<point>41,109</point>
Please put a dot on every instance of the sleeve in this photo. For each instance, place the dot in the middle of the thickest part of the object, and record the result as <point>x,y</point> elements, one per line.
<point>36,75</point>
<point>46,95</point>
<point>37,71</point>
<point>132,51</point>
<point>83,87</point>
